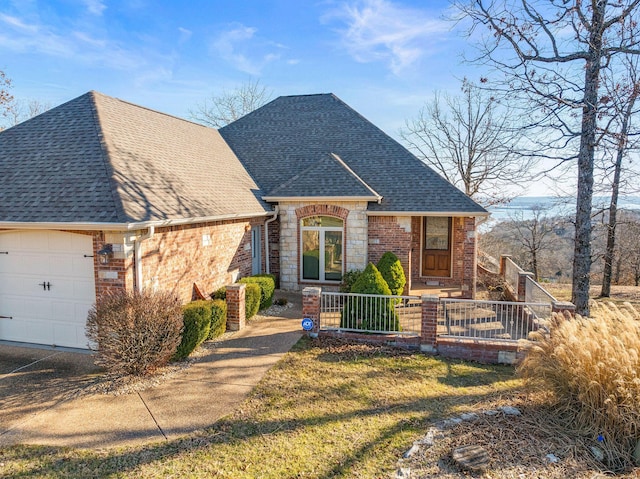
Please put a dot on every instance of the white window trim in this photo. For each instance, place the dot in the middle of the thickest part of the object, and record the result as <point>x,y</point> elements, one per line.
<point>321,231</point>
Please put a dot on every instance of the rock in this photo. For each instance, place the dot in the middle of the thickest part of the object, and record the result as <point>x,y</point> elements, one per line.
<point>403,473</point>
<point>469,416</point>
<point>490,412</point>
<point>454,421</point>
<point>471,457</point>
<point>415,448</point>
<point>510,410</point>
<point>430,438</point>
<point>597,453</point>
<point>552,458</point>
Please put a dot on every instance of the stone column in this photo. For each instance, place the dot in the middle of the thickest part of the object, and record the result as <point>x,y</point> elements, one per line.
<point>236,314</point>
<point>311,307</point>
<point>429,327</point>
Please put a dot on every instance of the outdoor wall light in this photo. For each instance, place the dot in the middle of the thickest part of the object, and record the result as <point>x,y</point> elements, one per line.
<point>105,254</point>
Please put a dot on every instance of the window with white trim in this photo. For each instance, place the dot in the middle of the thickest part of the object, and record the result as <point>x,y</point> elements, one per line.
<point>321,247</point>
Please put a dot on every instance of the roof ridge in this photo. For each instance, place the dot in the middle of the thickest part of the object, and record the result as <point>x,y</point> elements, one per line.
<point>135,105</point>
<point>354,174</point>
<point>106,157</point>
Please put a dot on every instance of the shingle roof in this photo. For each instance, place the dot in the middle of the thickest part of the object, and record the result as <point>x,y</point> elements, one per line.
<point>327,177</point>
<point>292,133</point>
<point>100,159</point>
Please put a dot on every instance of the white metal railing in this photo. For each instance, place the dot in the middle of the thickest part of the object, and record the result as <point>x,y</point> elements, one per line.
<point>512,274</point>
<point>535,293</point>
<point>370,313</point>
<point>491,320</point>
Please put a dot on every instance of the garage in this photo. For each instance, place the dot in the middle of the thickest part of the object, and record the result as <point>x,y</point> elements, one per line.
<point>47,287</point>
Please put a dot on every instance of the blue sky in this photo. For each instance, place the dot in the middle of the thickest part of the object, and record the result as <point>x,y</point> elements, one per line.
<point>385,58</point>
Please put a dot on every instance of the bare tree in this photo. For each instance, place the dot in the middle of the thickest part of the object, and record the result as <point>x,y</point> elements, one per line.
<point>21,110</point>
<point>220,110</point>
<point>623,95</point>
<point>534,234</point>
<point>471,141</point>
<point>6,99</point>
<point>554,51</point>
<point>626,259</point>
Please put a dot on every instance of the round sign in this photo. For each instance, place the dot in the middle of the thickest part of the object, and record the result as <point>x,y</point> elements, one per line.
<point>307,324</point>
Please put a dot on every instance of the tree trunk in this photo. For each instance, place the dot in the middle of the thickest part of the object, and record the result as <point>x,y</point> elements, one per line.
<point>582,248</point>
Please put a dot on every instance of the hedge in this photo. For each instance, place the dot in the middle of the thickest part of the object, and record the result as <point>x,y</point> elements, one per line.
<point>197,322</point>
<point>267,285</point>
<point>218,318</point>
<point>252,299</point>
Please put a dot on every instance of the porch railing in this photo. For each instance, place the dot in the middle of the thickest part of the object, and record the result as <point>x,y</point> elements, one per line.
<point>491,320</point>
<point>370,313</point>
<point>535,293</point>
<point>512,274</point>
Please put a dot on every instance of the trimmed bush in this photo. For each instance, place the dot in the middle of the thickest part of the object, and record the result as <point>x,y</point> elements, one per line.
<point>391,270</point>
<point>220,293</point>
<point>135,333</point>
<point>267,285</point>
<point>370,313</point>
<point>349,279</point>
<point>592,368</point>
<point>253,293</point>
<point>218,318</point>
<point>197,322</point>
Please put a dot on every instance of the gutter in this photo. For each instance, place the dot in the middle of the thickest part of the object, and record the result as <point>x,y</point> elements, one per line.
<point>266,237</point>
<point>137,256</point>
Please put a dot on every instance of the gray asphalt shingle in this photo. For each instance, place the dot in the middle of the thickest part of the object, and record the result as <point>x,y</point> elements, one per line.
<point>100,159</point>
<point>292,133</point>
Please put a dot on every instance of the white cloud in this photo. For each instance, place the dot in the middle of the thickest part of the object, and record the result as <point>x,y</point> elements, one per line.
<point>380,30</point>
<point>240,47</point>
<point>95,7</point>
<point>185,35</point>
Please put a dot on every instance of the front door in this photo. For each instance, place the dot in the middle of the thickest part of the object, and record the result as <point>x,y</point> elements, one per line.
<point>436,246</point>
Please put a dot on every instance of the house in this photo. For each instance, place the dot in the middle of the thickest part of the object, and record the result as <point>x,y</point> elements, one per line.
<point>99,194</point>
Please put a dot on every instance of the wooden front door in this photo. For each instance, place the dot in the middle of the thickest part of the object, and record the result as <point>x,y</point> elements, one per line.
<point>436,246</point>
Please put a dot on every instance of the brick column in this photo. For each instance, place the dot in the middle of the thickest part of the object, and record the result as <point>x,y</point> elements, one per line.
<point>522,285</point>
<point>236,315</point>
<point>429,329</point>
<point>311,307</point>
<point>564,307</point>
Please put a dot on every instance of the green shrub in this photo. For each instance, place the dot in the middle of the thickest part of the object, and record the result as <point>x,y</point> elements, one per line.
<point>218,318</point>
<point>348,280</point>
<point>197,322</point>
<point>592,368</point>
<point>267,285</point>
<point>252,299</point>
<point>133,332</point>
<point>220,293</point>
<point>391,270</point>
<point>375,314</point>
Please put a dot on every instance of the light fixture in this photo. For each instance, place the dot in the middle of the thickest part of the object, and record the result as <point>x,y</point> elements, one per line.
<point>105,254</point>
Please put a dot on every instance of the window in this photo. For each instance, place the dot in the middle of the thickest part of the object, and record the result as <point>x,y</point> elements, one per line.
<point>321,248</point>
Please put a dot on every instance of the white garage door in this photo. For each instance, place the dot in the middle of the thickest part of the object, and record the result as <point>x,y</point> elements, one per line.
<point>46,287</point>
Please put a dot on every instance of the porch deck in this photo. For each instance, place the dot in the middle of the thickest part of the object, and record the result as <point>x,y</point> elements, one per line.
<point>419,288</point>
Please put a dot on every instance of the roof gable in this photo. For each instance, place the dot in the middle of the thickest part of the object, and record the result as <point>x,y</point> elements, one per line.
<point>288,135</point>
<point>328,177</point>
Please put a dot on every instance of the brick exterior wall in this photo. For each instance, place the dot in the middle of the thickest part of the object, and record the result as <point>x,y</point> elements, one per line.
<point>463,252</point>
<point>391,233</point>
<point>274,248</point>
<point>175,257</point>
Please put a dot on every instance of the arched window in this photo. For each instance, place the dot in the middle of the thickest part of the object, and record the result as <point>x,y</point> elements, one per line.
<point>321,248</point>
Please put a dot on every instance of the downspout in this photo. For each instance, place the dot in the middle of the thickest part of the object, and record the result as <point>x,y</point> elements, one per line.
<point>137,257</point>
<point>266,237</point>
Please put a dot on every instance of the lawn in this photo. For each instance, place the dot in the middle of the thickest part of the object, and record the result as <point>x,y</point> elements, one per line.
<point>327,410</point>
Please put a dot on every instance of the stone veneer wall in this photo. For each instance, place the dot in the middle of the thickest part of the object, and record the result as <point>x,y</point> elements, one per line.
<point>355,235</point>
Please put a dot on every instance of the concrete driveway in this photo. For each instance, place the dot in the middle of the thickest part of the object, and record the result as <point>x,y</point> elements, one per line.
<point>40,401</point>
